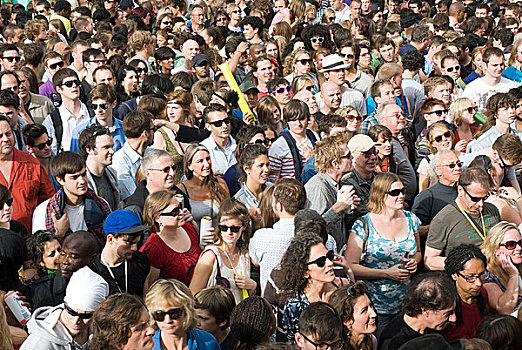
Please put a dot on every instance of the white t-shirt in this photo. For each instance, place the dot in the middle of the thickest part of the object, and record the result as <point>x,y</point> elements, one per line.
<point>76,218</point>
<point>479,92</point>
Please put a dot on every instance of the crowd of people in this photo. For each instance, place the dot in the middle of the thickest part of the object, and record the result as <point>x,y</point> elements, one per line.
<point>268,174</point>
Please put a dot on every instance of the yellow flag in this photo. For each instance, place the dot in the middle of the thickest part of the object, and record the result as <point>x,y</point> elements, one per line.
<point>243,105</point>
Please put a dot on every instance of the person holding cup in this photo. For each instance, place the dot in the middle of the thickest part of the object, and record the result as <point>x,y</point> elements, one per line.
<point>228,258</point>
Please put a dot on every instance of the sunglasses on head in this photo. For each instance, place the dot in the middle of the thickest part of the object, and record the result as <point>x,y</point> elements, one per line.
<point>70,83</point>
<point>219,123</point>
<point>396,192</point>
<point>174,314</point>
<point>174,212</point>
<point>472,110</point>
<point>83,316</point>
<point>282,90</point>
<point>166,169</point>
<point>304,61</point>
<point>103,106</point>
<point>320,262</point>
<point>453,165</point>
<point>454,68</point>
<point>438,138</point>
<point>473,198</point>
<point>225,228</point>
<point>56,65</point>
<point>511,245</point>
<point>318,40</point>
<point>261,142</point>
<point>12,59</point>
<point>346,55</point>
<point>42,145</point>
<point>9,203</point>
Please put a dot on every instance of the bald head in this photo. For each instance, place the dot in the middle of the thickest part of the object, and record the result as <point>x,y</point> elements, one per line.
<point>308,98</point>
<point>331,96</point>
<point>455,9</point>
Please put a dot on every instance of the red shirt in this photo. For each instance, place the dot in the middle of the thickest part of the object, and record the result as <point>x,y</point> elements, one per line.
<point>29,185</point>
<point>471,318</point>
<point>170,263</point>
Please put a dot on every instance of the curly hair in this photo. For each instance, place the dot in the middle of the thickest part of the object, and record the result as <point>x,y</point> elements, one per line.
<point>499,100</point>
<point>251,321</point>
<point>317,30</point>
<point>328,151</point>
<point>294,262</point>
<point>291,59</point>
<point>36,248</point>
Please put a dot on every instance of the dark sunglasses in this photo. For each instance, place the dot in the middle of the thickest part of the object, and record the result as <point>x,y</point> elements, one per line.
<point>56,65</point>
<point>331,19</point>
<point>438,138</point>
<point>472,110</point>
<point>510,245</point>
<point>225,228</point>
<point>166,169</point>
<point>453,165</point>
<point>167,23</point>
<point>174,212</point>
<point>475,199</point>
<point>11,59</point>
<point>262,142</point>
<point>42,145</point>
<point>174,314</point>
<point>347,155</point>
<point>317,40</point>
<point>9,203</point>
<point>103,106</point>
<point>282,90</point>
<point>396,192</point>
<point>142,70</point>
<point>438,112</point>
<point>84,316</point>
<point>346,55</point>
<point>270,141</point>
<point>219,123</point>
<point>351,118</point>
<point>454,68</point>
<point>304,61</point>
<point>97,61</point>
<point>70,83</point>
<point>310,88</point>
<point>320,262</point>
<point>222,19</point>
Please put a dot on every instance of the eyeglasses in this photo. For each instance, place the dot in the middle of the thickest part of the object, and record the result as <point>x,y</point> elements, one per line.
<point>331,19</point>
<point>219,123</point>
<point>97,61</point>
<point>222,19</point>
<point>320,262</point>
<point>152,128</point>
<point>473,278</point>
<point>70,83</point>
<point>83,316</point>
<point>236,11</point>
<point>323,346</point>
<point>282,90</point>
<point>225,228</point>
<point>475,199</point>
<point>472,110</point>
<point>453,165</point>
<point>167,23</point>
<point>438,138</point>
<point>305,61</point>
<point>370,152</point>
<point>262,142</point>
<point>12,58</point>
<point>347,155</point>
<point>9,203</point>
<point>318,40</point>
<point>174,314</point>
<point>309,88</point>
<point>504,165</point>
<point>272,140</point>
<point>346,55</point>
<point>396,192</point>
<point>174,212</point>
<point>140,70</point>
<point>451,69</point>
<point>103,106</point>
<point>439,112</point>
<point>166,169</point>
<point>352,117</point>
<point>42,145</point>
<point>56,65</point>
<point>510,245</point>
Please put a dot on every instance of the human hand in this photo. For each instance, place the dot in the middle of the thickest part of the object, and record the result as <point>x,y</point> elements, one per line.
<point>158,123</point>
<point>398,273</point>
<point>61,226</point>
<point>208,237</point>
<point>255,214</point>
<point>243,47</point>
<point>347,199</point>
<point>507,265</point>
<point>410,265</point>
<point>306,151</point>
<point>186,216</point>
<point>509,193</point>
<point>248,118</point>
<point>243,282</point>
<point>461,146</point>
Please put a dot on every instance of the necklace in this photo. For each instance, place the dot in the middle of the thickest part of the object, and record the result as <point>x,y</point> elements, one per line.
<point>230,260</point>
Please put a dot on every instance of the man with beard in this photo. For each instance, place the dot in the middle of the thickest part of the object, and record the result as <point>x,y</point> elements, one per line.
<point>201,67</point>
<point>467,266</point>
<point>120,263</point>
<point>38,144</point>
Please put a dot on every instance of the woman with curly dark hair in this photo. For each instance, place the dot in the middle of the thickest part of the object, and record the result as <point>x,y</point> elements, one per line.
<point>308,273</point>
<point>317,36</point>
<point>44,250</point>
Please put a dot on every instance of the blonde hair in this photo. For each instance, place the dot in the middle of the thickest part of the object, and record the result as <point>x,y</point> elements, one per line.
<point>291,59</point>
<point>328,150</point>
<point>436,127</point>
<point>155,204</point>
<point>492,243</point>
<point>380,187</point>
<point>457,108</point>
<point>172,293</point>
<point>514,52</point>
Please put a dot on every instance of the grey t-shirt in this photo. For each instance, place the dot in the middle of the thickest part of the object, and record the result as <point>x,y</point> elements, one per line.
<point>104,190</point>
<point>449,228</point>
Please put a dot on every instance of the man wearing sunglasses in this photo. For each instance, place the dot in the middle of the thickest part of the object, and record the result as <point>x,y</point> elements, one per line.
<point>103,99</point>
<point>68,325</point>
<point>360,81</point>
<point>450,66</point>
<point>432,110</point>
<point>53,62</point>
<point>467,220</point>
<point>10,57</point>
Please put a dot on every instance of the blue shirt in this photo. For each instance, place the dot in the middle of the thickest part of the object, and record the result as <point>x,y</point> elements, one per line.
<point>512,74</point>
<point>118,136</point>
<point>197,340</point>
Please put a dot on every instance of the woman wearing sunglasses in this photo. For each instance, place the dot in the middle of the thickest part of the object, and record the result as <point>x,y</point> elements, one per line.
<point>385,249</point>
<point>307,267</point>
<point>298,63</point>
<point>228,258</point>
<point>461,114</point>
<point>173,246</point>
<point>171,306</point>
<point>358,314</point>
<point>503,250</point>
<point>234,13</point>
<point>353,118</point>
<point>440,136</point>
<point>507,200</point>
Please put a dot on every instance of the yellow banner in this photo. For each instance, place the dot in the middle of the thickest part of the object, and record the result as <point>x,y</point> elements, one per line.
<point>243,105</point>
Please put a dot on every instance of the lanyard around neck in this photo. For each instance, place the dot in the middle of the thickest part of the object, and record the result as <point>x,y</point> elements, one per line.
<point>481,234</point>
<point>112,275</point>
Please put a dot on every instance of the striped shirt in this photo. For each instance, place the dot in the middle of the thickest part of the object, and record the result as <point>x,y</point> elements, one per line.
<point>281,161</point>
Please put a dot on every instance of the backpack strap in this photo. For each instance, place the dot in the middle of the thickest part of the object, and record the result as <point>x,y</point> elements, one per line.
<point>365,238</point>
<point>58,128</point>
<point>296,155</point>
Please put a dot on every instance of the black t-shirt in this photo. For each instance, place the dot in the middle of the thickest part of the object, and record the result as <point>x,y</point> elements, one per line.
<point>138,268</point>
<point>104,189</point>
<point>229,343</point>
<point>12,254</point>
<point>397,332</point>
<point>17,227</point>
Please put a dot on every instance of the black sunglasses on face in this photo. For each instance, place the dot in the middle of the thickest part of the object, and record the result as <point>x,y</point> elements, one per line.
<point>510,245</point>
<point>304,61</point>
<point>439,112</point>
<point>84,316</point>
<point>174,314</point>
<point>141,70</point>
<point>174,212</point>
<point>42,145</point>
<point>224,228</point>
<point>438,138</point>
<point>453,165</point>
<point>166,169</point>
<point>346,55</point>
<point>396,192</point>
<point>320,262</point>
<point>475,199</point>
<point>70,83</point>
<point>472,110</point>
<point>219,123</point>
<point>56,65</point>
<point>261,142</point>
<point>11,59</point>
<point>103,106</point>
<point>9,203</point>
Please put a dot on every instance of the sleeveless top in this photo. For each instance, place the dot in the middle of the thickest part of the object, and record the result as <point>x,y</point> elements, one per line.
<point>176,157</point>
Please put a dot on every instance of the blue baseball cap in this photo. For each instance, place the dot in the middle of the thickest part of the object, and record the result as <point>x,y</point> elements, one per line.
<point>123,222</point>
